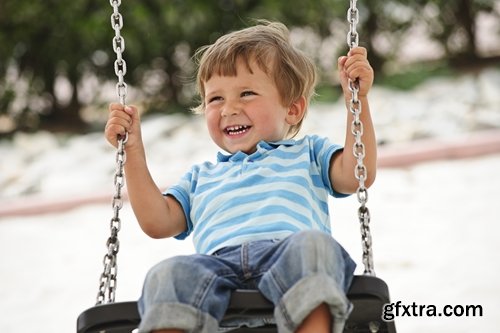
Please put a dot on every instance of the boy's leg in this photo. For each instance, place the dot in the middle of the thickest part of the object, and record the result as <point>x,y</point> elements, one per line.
<point>318,321</point>
<point>310,268</point>
<point>186,293</point>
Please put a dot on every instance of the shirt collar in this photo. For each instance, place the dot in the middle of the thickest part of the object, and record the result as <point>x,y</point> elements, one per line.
<point>262,148</point>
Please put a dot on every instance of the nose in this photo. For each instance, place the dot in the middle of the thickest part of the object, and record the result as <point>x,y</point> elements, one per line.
<point>230,109</point>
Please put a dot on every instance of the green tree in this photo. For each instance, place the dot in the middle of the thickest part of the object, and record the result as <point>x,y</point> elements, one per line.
<point>50,48</point>
<point>41,42</point>
<point>56,57</point>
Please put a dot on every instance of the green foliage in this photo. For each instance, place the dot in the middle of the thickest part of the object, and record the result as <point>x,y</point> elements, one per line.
<point>325,93</point>
<point>56,57</point>
<point>52,43</point>
<point>413,76</point>
<point>41,41</point>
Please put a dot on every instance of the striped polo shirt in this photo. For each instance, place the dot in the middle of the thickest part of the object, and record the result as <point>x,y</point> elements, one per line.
<point>280,189</point>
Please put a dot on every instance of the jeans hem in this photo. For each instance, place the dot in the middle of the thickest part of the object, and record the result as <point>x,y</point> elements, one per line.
<point>179,316</point>
<point>300,300</point>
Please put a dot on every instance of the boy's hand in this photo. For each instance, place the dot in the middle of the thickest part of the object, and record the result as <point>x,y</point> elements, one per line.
<point>356,66</point>
<point>121,120</point>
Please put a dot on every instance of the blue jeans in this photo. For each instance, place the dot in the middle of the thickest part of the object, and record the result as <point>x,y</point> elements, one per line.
<point>297,274</point>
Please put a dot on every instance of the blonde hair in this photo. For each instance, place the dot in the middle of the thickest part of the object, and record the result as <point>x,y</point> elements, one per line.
<point>268,44</point>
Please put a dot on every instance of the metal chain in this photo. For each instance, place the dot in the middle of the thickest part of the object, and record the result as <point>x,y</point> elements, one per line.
<point>360,171</point>
<point>107,282</point>
<point>119,47</point>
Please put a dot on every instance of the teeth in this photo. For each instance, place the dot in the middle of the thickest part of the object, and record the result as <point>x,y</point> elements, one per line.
<point>234,130</point>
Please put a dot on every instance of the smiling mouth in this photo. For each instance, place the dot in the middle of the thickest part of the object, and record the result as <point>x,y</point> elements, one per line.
<point>235,130</point>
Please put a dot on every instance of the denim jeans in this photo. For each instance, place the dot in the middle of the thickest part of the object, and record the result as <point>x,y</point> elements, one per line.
<point>296,274</point>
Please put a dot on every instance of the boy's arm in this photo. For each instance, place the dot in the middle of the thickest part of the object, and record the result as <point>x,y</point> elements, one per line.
<point>342,166</point>
<point>159,216</point>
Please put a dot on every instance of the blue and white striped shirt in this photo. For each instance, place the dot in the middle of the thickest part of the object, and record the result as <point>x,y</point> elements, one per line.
<point>280,189</point>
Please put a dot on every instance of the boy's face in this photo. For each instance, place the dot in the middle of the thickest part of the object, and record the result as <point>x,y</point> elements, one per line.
<point>244,109</point>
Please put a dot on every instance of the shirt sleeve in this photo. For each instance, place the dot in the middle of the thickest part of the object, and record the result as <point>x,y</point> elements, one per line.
<point>323,151</point>
<point>181,193</point>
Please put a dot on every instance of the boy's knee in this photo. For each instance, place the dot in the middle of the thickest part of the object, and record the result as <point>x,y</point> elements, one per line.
<point>169,269</point>
<point>313,239</point>
<point>315,248</point>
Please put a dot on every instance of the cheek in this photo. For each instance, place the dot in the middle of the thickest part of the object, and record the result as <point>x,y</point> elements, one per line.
<point>212,122</point>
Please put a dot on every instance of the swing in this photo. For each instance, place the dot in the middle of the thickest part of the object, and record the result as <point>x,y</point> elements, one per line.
<point>367,293</point>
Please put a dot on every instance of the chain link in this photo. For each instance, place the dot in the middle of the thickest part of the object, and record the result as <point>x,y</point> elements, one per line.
<point>119,48</point>
<point>107,281</point>
<point>360,171</point>
<point>353,19</point>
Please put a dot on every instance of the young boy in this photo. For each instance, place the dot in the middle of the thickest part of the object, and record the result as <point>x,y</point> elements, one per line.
<point>259,215</point>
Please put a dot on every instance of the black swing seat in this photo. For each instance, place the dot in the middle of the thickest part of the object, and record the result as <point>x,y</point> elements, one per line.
<point>368,295</point>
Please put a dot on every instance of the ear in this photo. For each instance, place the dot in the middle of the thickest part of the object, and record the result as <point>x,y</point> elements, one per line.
<point>296,111</point>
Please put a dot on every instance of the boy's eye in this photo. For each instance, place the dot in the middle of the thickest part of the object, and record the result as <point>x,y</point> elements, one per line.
<point>214,98</point>
<point>247,93</point>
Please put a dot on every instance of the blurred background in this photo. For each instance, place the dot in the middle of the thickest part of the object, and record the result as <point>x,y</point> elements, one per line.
<point>435,105</point>
<point>56,59</point>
